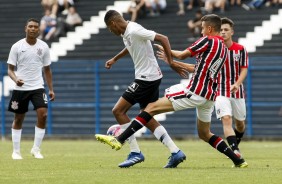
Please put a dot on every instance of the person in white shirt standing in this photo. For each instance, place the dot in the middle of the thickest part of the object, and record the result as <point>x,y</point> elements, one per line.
<point>26,60</point>
<point>145,88</point>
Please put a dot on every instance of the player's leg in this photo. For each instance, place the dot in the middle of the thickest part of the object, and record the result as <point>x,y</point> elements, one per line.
<point>18,105</point>
<point>224,112</point>
<point>16,135</point>
<point>120,109</point>
<point>239,110</point>
<point>204,118</point>
<point>40,102</point>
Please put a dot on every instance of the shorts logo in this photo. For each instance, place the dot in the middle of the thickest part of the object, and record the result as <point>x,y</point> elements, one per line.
<point>15,105</point>
<point>133,87</point>
<point>45,98</point>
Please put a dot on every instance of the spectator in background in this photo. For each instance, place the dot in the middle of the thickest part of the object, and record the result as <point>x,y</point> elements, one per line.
<point>72,20</point>
<point>189,3</point>
<point>47,26</point>
<point>254,4</point>
<point>194,26</point>
<point>233,2</point>
<point>50,5</point>
<point>137,9</point>
<point>210,5</point>
<point>156,6</point>
<point>63,6</point>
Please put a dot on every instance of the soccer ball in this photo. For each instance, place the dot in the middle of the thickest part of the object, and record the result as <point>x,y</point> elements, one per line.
<point>114,130</point>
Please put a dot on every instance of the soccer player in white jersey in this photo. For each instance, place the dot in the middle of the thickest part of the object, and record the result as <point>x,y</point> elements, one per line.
<point>145,88</point>
<point>26,60</point>
<point>230,100</point>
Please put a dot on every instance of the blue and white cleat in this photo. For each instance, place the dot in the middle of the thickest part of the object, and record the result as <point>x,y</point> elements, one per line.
<point>132,159</point>
<point>175,159</point>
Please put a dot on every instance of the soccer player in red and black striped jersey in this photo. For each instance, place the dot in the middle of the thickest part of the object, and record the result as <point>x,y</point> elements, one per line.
<point>200,93</point>
<point>230,95</point>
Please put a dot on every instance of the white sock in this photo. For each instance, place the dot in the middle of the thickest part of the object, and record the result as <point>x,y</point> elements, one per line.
<point>133,145</point>
<point>162,135</point>
<point>38,137</point>
<point>16,139</point>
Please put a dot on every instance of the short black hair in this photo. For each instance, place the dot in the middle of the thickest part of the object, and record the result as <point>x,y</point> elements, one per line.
<point>226,20</point>
<point>111,15</point>
<point>32,20</point>
<point>212,20</point>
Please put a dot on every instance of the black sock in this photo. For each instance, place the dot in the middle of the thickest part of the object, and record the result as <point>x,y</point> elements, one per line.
<point>219,144</point>
<point>232,141</point>
<point>239,135</point>
<point>142,119</point>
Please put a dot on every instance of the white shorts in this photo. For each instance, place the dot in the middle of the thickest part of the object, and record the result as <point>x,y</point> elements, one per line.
<point>230,106</point>
<point>182,98</point>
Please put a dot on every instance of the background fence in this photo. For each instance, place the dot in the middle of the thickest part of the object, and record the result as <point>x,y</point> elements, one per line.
<point>86,92</point>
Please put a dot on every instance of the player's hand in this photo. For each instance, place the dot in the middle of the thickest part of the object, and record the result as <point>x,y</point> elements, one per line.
<point>158,46</point>
<point>234,88</point>
<point>180,70</point>
<point>162,56</point>
<point>19,82</point>
<point>109,63</point>
<point>51,95</point>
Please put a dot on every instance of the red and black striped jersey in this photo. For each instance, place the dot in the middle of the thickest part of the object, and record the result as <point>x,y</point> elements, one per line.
<point>229,74</point>
<point>211,54</point>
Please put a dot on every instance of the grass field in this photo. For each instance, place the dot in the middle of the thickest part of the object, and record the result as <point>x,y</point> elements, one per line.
<point>88,161</point>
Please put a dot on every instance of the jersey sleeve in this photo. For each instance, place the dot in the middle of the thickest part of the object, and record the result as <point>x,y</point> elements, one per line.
<point>244,63</point>
<point>46,57</point>
<point>13,55</point>
<point>145,34</point>
<point>199,46</point>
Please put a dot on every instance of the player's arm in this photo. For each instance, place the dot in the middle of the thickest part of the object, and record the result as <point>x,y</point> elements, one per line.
<point>12,75</point>
<point>167,50</point>
<point>49,81</point>
<point>176,53</point>
<point>181,54</point>
<point>188,67</point>
<point>242,76</point>
<point>112,61</point>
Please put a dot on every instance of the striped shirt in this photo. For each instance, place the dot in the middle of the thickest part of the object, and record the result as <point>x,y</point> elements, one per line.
<point>211,54</point>
<point>229,74</point>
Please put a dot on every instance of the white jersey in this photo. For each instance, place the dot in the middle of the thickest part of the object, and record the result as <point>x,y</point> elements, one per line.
<point>137,40</point>
<point>29,61</point>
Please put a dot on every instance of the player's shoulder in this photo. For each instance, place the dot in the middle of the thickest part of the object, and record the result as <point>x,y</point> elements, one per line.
<point>18,43</point>
<point>41,42</point>
<point>236,46</point>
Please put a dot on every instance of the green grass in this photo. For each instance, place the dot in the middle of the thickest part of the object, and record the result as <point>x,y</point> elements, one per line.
<point>88,161</point>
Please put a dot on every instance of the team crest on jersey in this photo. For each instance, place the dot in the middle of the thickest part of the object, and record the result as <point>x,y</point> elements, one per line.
<point>39,52</point>
<point>15,105</point>
<point>218,111</point>
<point>236,57</point>
<point>129,43</point>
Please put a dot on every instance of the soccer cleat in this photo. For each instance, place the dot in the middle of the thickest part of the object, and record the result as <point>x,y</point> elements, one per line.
<point>36,153</point>
<point>175,159</point>
<point>132,159</point>
<point>242,165</point>
<point>110,140</point>
<point>16,156</point>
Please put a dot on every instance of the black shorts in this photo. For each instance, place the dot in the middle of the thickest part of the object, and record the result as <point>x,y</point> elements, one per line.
<point>20,100</point>
<point>142,92</point>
